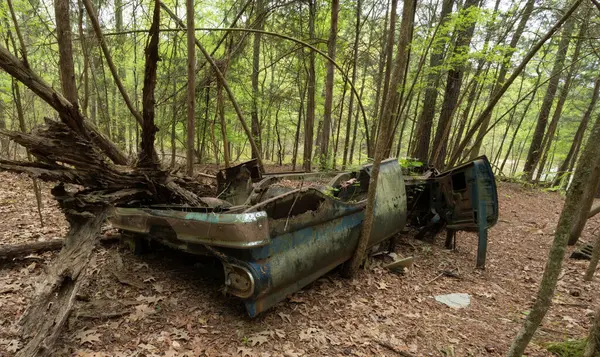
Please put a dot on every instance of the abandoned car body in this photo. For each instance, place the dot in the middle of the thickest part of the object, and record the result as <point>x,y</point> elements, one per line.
<point>273,239</point>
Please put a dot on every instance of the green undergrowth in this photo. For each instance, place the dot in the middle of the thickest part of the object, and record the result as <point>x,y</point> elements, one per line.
<point>567,348</point>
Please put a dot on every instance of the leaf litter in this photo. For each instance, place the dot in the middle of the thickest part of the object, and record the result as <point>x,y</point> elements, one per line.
<point>188,316</point>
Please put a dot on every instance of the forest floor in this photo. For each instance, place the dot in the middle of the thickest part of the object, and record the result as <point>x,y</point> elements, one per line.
<point>168,305</point>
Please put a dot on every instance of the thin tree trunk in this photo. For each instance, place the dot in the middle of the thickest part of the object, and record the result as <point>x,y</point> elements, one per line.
<point>592,348</point>
<point>147,156</point>
<point>354,72</point>
<point>425,121</point>
<point>562,98</point>
<point>585,183</point>
<point>19,104</point>
<point>298,125</point>
<point>191,86</point>
<point>113,69</point>
<point>335,4</point>
<point>397,78</point>
<point>453,86</point>
<point>390,12</point>
<point>65,50</point>
<point>496,97</point>
<point>503,71</point>
<point>339,126</point>
<point>571,155</point>
<point>221,113</point>
<point>309,123</point>
<point>389,60</point>
<point>256,130</point>
<point>535,148</point>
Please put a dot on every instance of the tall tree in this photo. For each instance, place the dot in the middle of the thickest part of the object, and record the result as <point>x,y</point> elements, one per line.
<point>535,147</point>
<point>331,43</point>
<point>576,143</point>
<point>562,98</point>
<point>524,18</point>
<point>453,85</point>
<point>260,24</point>
<point>425,122</point>
<point>497,96</point>
<point>309,123</point>
<point>65,50</point>
<point>191,86</point>
<point>387,121</point>
<point>581,189</point>
<point>354,72</point>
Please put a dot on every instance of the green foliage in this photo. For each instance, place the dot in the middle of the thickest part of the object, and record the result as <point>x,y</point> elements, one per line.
<point>567,348</point>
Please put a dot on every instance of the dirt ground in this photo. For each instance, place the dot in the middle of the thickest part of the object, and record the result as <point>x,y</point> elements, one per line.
<point>167,304</point>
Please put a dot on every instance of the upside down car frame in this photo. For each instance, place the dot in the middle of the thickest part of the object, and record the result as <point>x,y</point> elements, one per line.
<point>276,233</point>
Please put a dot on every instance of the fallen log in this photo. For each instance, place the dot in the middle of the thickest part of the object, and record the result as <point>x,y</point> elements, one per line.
<point>12,251</point>
<point>45,317</point>
<point>18,250</point>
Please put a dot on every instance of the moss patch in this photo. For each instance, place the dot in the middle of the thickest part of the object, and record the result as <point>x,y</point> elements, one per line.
<point>568,348</point>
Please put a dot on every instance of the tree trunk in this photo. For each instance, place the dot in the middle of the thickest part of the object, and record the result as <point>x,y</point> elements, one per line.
<point>335,4</point>
<point>592,348</point>
<point>503,71</point>
<point>581,189</point>
<point>453,86</point>
<point>535,148</point>
<point>386,53</point>
<point>298,124</point>
<point>496,97</point>
<point>571,155</point>
<point>425,122</point>
<point>591,269</point>
<point>562,98</point>
<point>354,72</point>
<point>389,59</point>
<point>256,130</point>
<point>191,86</point>
<point>309,123</point>
<point>65,50</point>
<point>221,113</point>
<point>147,156</point>
<point>391,104</point>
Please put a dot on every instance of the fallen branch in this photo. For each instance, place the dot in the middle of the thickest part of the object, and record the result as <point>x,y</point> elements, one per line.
<point>18,250</point>
<point>12,251</point>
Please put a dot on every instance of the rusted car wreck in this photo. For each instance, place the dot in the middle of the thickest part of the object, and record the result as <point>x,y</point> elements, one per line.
<point>273,238</point>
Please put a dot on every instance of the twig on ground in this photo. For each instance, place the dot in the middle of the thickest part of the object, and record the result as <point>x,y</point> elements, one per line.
<point>394,349</point>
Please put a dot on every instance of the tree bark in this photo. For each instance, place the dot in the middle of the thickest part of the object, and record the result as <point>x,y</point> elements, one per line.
<point>400,65</point>
<point>496,97</point>
<point>562,98</point>
<point>425,122</point>
<point>535,148</point>
<point>191,87</point>
<point>326,129</point>
<point>309,123</point>
<point>571,155</point>
<point>147,156</point>
<point>503,71</point>
<point>354,72</point>
<point>65,50</point>
<point>256,130</point>
<point>581,189</point>
<point>592,348</point>
<point>453,86</point>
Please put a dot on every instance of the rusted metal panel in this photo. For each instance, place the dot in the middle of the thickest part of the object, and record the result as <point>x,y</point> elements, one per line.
<point>241,231</point>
